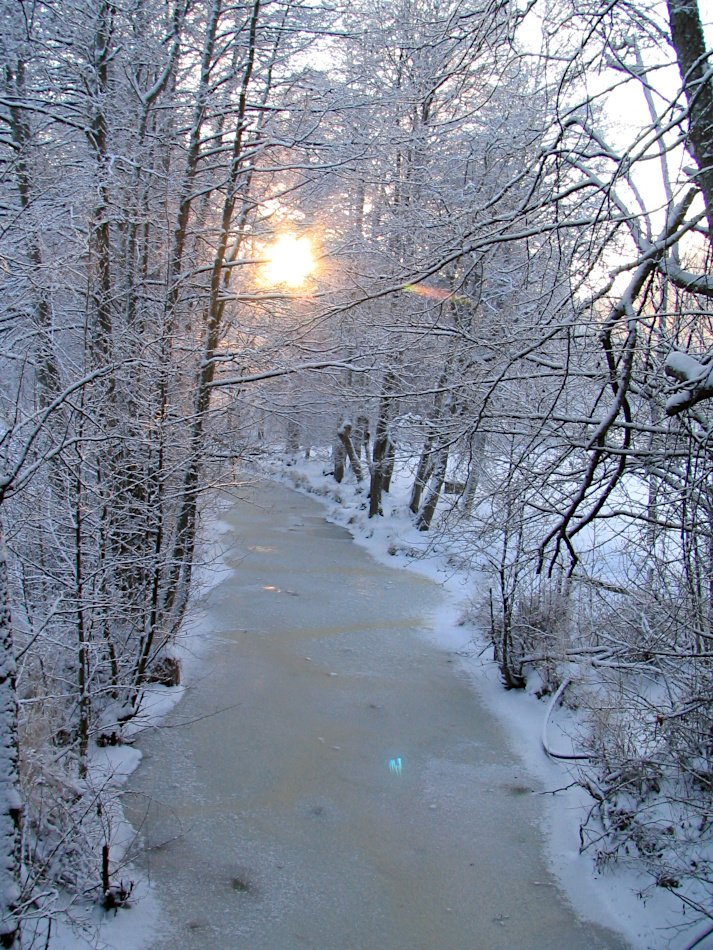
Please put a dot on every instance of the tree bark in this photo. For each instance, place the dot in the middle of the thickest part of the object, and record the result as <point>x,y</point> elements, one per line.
<point>344,433</point>
<point>422,473</point>
<point>389,463</point>
<point>100,238</point>
<point>338,456</point>
<point>437,480</point>
<point>293,436</point>
<point>361,437</point>
<point>82,645</point>
<point>10,803</point>
<point>425,464</point>
<point>381,443</point>
<point>477,452</point>
<point>693,64</point>
<point>48,372</point>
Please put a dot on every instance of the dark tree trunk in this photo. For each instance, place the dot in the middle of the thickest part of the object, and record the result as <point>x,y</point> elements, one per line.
<point>100,239</point>
<point>389,462</point>
<point>477,452</point>
<point>293,437</point>
<point>47,371</point>
<point>361,437</point>
<point>693,64</point>
<point>437,480</point>
<point>344,433</point>
<point>422,473</point>
<point>10,804</point>
<point>338,457</point>
<point>381,444</point>
<point>426,462</point>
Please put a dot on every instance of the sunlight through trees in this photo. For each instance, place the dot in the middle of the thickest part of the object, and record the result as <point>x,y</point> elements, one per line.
<point>467,239</point>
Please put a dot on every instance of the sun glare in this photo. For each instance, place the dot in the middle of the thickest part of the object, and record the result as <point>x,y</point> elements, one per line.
<point>290,261</point>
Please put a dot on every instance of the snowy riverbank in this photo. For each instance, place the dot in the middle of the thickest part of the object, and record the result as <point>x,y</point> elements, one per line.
<point>612,897</point>
<point>134,927</point>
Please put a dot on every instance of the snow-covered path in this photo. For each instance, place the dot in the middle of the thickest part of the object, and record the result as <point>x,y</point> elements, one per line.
<point>353,795</point>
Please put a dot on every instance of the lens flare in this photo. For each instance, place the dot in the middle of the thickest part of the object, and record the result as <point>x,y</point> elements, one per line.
<point>435,293</point>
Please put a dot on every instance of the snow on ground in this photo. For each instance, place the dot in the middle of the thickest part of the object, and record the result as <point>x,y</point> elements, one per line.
<point>610,897</point>
<point>136,926</point>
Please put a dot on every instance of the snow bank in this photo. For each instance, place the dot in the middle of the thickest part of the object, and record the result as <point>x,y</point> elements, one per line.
<point>136,926</point>
<point>613,897</point>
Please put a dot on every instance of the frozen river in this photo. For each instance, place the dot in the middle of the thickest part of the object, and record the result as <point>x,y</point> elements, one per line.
<point>357,797</point>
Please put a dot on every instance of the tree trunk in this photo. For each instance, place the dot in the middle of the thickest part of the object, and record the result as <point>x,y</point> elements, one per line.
<point>381,443</point>
<point>389,462</point>
<point>425,463</point>
<point>192,158</point>
<point>477,451</point>
<point>293,437</point>
<point>100,237</point>
<point>47,370</point>
<point>361,438</point>
<point>82,646</point>
<point>421,479</point>
<point>693,64</point>
<point>10,803</point>
<point>338,457</point>
<point>437,480</point>
<point>344,433</point>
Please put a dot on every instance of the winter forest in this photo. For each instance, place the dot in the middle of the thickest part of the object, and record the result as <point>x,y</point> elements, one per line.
<point>506,212</point>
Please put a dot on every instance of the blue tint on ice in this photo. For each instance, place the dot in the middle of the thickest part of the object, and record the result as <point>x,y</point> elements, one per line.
<point>395,766</point>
